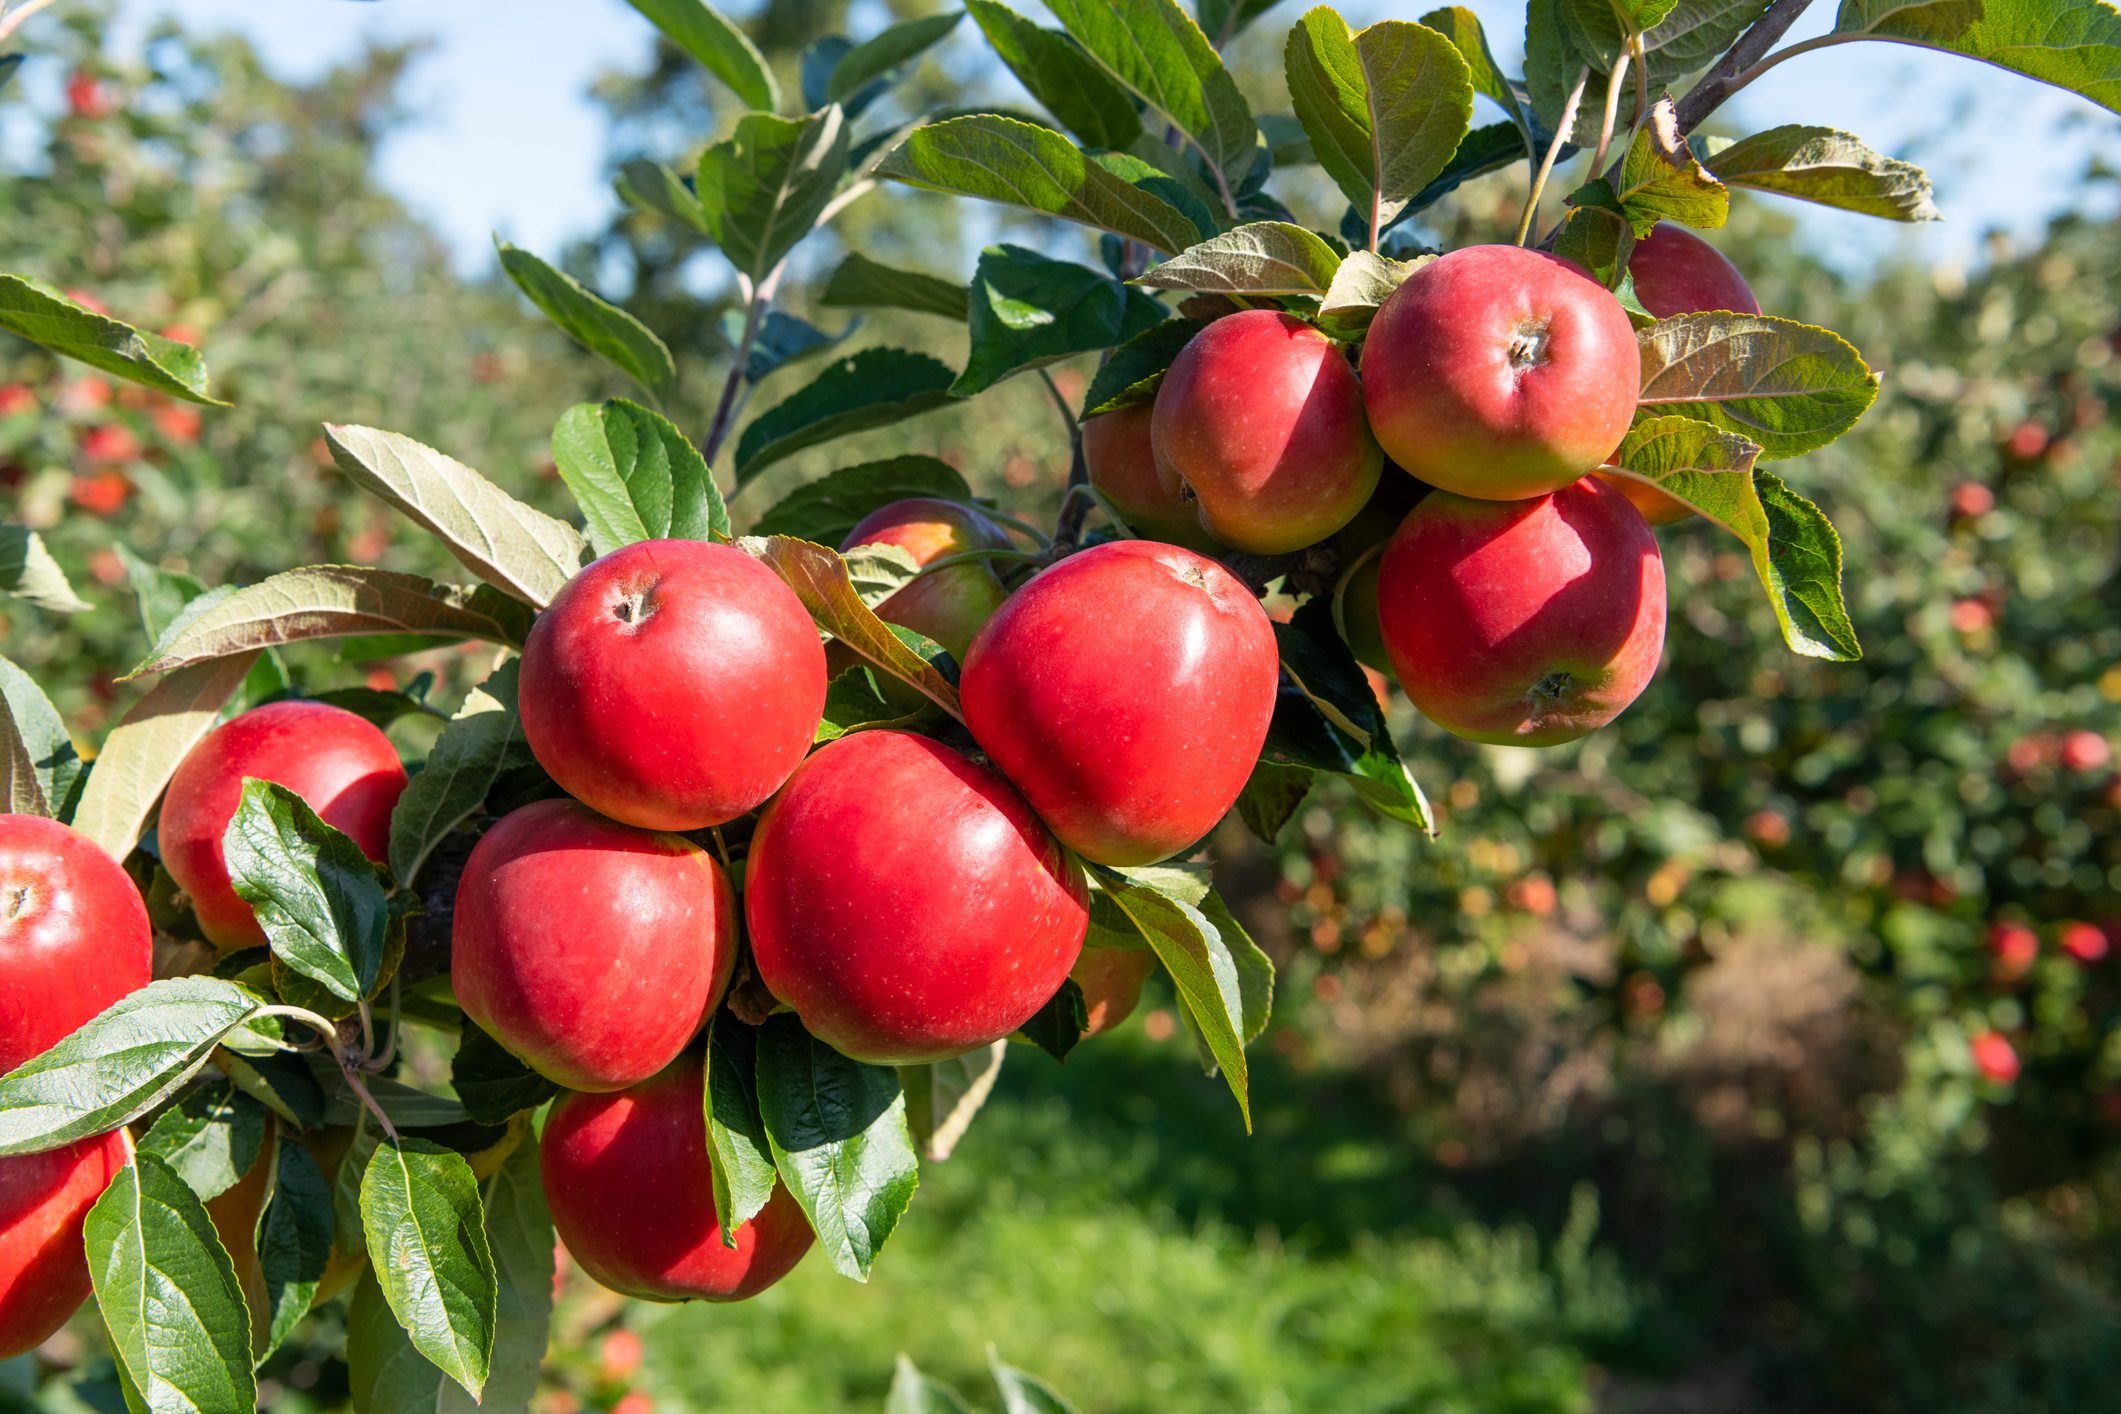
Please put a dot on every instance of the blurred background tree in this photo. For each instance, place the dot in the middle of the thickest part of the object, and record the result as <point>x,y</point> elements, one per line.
<point>1759,1052</point>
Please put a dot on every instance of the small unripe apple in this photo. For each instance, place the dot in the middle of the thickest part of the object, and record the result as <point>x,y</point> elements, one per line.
<point>672,684</point>
<point>907,903</point>
<point>340,764</point>
<point>74,935</point>
<point>1111,980</point>
<point>1500,373</point>
<point>1677,272</point>
<point>591,950</point>
<point>44,1198</point>
<point>1126,692</point>
<point>1261,420</point>
<point>949,604</point>
<point>632,1195</point>
<point>1119,452</point>
<point>1523,623</point>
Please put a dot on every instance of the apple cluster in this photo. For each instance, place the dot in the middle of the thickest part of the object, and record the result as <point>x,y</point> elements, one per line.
<point>1513,588</point>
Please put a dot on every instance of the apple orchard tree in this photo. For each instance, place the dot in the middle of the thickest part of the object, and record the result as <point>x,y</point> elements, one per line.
<point>751,855</point>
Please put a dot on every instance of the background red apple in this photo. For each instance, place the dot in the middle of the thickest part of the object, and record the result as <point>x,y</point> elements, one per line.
<point>1500,373</point>
<point>592,950</point>
<point>1111,979</point>
<point>632,1195</point>
<point>1677,272</point>
<point>341,765</point>
<point>950,604</point>
<point>74,936</point>
<point>672,685</point>
<point>907,903</point>
<point>1523,623</point>
<point>1261,418</point>
<point>43,1270</point>
<point>1119,452</point>
<point>1126,692</point>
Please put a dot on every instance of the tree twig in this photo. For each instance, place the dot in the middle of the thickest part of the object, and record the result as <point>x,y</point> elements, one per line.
<point>1741,64</point>
<point>10,22</point>
<point>1614,85</point>
<point>1546,167</point>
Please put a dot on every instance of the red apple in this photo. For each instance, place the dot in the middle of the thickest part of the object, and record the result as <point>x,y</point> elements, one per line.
<point>16,398</point>
<point>907,903</point>
<point>1523,623</point>
<point>950,604</point>
<point>342,766</point>
<point>1994,1056</point>
<point>2083,750</point>
<point>1261,421</point>
<point>44,1199</point>
<point>591,950</point>
<point>86,99</point>
<point>1111,979</point>
<point>74,935</point>
<point>632,1195</point>
<point>2086,942</point>
<point>1119,452</point>
<point>1126,692</point>
<point>1677,272</point>
<point>1971,500</point>
<point>2015,948</point>
<point>1500,373</point>
<point>672,685</point>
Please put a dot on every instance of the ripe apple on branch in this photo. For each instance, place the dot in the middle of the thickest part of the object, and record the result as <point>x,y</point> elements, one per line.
<point>953,777</point>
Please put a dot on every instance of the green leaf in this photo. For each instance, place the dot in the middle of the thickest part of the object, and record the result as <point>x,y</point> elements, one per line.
<point>388,1374</point>
<point>1829,168</point>
<point>1200,961</point>
<point>1794,548</point>
<point>427,1243</point>
<point>1462,27</point>
<point>315,894</point>
<point>1660,179</point>
<point>1022,1393</point>
<point>1057,1026</point>
<point>406,1106</point>
<point>1021,164</point>
<point>1029,310</point>
<point>1255,970</point>
<point>1361,283</point>
<point>942,1097</point>
<point>737,1147</point>
<point>484,739</point>
<point>877,57</point>
<point>143,752</point>
<point>1155,51</point>
<point>280,1082</point>
<point>837,1129</point>
<point>1790,387</point>
<point>873,388</point>
<point>819,578</point>
<point>1061,76</point>
<point>28,571</point>
<point>329,601</point>
<point>652,187</point>
<point>1488,148</point>
<point>294,1245</point>
<point>120,1064</point>
<point>701,31</point>
<point>1223,20</point>
<point>915,1393</point>
<point>44,316</point>
<point>1333,723</point>
<point>1598,239</point>
<point>827,509</point>
<point>635,476</point>
<point>779,340</point>
<point>512,547</point>
<point>179,1330</point>
<point>2072,44</point>
<point>210,1138</point>
<point>1271,798</point>
<point>1262,258</point>
<point>603,328</point>
<point>40,772</point>
<point>1385,108</point>
<point>762,189</point>
<point>492,1083</point>
<point>862,283</point>
<point>854,701</point>
<point>1695,34</point>
<point>1136,368</point>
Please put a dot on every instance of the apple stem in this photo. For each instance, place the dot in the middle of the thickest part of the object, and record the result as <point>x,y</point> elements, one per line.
<point>1546,167</point>
<point>1061,404</point>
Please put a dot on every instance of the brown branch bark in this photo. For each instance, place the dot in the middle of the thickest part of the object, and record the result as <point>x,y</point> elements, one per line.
<point>1728,76</point>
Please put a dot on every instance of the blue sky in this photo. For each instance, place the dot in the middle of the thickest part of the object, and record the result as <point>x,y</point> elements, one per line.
<point>509,142</point>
